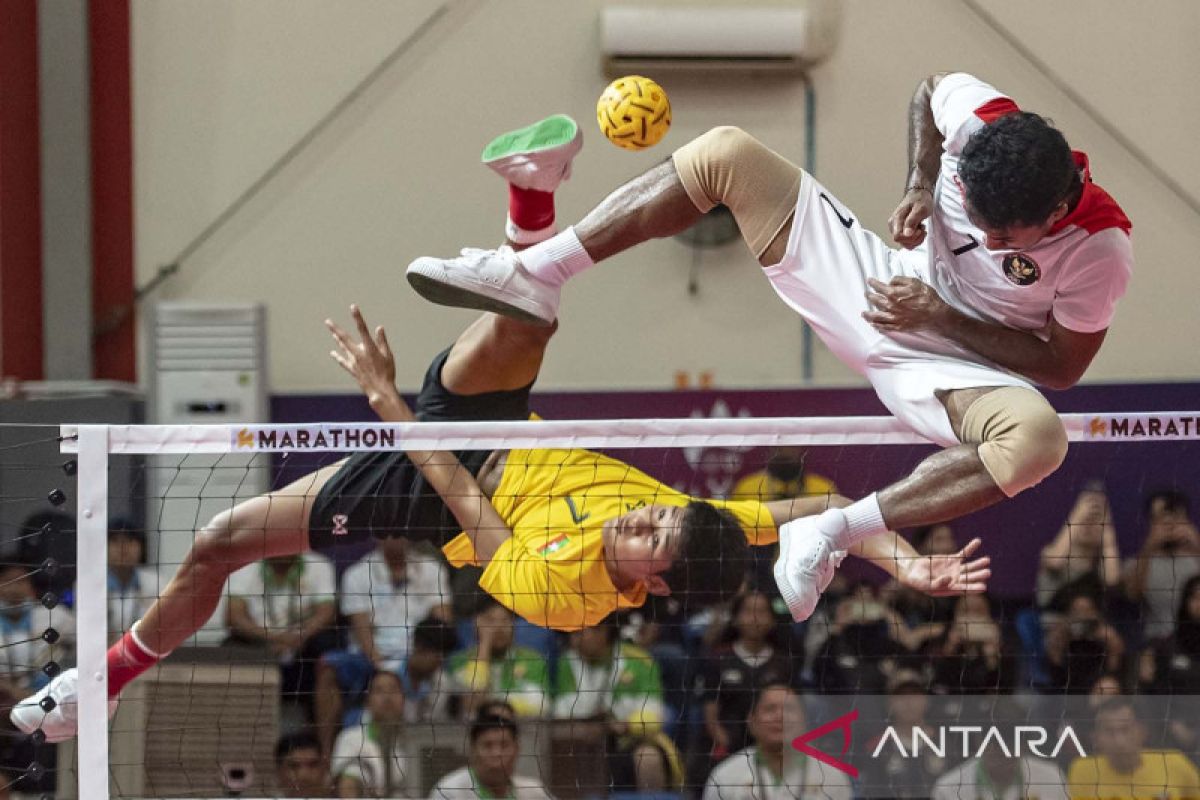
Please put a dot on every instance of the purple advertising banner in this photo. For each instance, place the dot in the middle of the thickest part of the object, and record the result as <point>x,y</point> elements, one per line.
<point>1014,531</point>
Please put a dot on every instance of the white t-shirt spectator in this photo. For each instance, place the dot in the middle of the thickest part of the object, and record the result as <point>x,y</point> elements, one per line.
<point>277,603</point>
<point>127,603</point>
<point>395,609</point>
<point>461,785</point>
<point>1165,578</point>
<point>358,754</point>
<point>1039,778</point>
<point>744,776</point>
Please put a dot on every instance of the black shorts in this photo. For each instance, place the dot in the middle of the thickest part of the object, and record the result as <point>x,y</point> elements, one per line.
<point>383,494</point>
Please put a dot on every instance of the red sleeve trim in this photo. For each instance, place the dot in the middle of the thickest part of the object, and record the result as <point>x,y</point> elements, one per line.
<point>996,108</point>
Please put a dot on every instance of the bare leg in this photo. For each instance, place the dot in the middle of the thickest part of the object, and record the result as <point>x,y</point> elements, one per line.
<point>495,354</point>
<point>653,205</point>
<point>275,524</point>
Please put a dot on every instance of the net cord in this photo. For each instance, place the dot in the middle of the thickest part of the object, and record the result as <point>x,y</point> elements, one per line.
<point>91,611</point>
<point>605,433</point>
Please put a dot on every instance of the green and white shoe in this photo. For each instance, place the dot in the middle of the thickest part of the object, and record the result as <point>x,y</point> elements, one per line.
<point>537,156</point>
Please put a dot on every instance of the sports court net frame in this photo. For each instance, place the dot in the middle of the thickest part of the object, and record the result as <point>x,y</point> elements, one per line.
<point>92,445</point>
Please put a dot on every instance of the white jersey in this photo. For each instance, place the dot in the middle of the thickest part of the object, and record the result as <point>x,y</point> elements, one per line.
<point>1074,275</point>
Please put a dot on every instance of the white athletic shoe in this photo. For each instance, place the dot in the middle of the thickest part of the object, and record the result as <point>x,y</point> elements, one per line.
<point>537,156</point>
<point>61,721</point>
<point>806,565</point>
<point>489,280</point>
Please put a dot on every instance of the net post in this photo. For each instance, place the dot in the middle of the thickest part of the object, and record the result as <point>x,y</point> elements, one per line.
<point>92,611</point>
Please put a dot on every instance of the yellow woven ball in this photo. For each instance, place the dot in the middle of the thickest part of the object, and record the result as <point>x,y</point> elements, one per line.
<point>634,112</point>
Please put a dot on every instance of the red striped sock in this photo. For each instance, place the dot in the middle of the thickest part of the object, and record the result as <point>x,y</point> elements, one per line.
<point>530,209</point>
<point>126,660</point>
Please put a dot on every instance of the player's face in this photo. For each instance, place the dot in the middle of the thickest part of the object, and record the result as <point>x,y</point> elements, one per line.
<point>1013,237</point>
<point>644,541</point>
<point>494,756</point>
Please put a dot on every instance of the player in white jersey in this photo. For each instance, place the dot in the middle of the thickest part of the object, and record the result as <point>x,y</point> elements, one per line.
<point>1010,264</point>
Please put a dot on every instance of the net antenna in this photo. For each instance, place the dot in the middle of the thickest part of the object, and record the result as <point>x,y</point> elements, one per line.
<point>93,445</point>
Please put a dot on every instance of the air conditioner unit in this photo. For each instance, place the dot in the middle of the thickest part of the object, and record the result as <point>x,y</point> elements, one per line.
<point>703,38</point>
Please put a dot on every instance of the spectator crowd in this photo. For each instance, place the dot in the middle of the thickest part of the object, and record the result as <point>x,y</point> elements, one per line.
<point>704,705</point>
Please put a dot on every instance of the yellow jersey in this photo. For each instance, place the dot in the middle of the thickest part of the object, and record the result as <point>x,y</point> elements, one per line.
<point>551,570</point>
<point>1162,774</point>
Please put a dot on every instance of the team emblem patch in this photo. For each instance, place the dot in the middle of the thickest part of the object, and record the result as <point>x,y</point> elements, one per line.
<point>1021,269</point>
<point>554,545</point>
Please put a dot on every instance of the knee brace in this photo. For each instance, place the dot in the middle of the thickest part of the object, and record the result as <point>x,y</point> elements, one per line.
<point>1021,439</point>
<point>731,167</point>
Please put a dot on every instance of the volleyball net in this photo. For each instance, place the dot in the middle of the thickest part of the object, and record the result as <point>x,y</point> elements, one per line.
<point>380,659</point>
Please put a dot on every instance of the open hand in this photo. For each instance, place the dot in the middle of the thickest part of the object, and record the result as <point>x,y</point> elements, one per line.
<point>944,575</point>
<point>368,360</point>
<point>904,305</point>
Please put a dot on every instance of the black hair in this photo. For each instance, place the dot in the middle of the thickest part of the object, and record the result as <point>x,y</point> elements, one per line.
<point>1016,170</point>
<point>776,637</point>
<point>1116,702</point>
<point>488,720</point>
<point>433,634</point>
<point>713,557</point>
<point>301,740</point>
<point>1172,500</point>
<point>770,680</point>
<point>1189,586</point>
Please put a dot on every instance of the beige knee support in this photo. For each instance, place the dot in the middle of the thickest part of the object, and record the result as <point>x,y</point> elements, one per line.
<point>731,167</point>
<point>1021,437</point>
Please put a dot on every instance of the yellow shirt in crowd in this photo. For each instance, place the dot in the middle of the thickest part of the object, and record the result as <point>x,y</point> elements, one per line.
<point>551,571</point>
<point>1162,774</point>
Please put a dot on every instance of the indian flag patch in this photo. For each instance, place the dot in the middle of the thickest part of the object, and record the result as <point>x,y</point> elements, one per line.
<point>554,545</point>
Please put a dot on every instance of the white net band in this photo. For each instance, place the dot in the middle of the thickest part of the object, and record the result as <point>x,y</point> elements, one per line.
<point>608,433</point>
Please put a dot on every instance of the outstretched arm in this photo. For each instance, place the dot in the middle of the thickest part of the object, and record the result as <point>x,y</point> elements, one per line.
<point>372,365</point>
<point>938,575</point>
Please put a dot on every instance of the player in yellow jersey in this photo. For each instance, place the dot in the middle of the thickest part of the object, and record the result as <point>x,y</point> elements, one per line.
<point>565,537</point>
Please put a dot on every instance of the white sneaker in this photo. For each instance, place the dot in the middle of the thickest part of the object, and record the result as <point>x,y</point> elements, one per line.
<point>806,565</point>
<point>537,156</point>
<point>489,280</point>
<point>61,722</point>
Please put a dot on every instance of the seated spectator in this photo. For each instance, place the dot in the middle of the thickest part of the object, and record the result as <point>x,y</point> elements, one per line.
<point>771,767</point>
<point>999,775</point>
<point>287,605</point>
<point>861,648</point>
<point>917,609</point>
<point>603,679</point>
<point>383,597</point>
<point>132,586</point>
<point>491,769</point>
<point>892,774</point>
<point>422,673</point>
<point>751,651</point>
<point>23,621</point>
<point>784,477</point>
<point>1086,544</point>
<point>1167,559</point>
<point>1172,666</point>
<point>650,765</point>
<point>23,654</point>
<point>659,628</point>
<point>499,668</point>
<point>973,657</point>
<point>369,759</point>
<point>300,769</point>
<point>1122,766</point>
<point>1082,646</point>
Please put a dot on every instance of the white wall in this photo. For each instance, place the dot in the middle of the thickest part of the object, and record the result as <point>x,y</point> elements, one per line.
<point>222,88</point>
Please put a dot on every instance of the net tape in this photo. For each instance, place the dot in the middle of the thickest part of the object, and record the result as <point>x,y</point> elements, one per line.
<point>607,433</point>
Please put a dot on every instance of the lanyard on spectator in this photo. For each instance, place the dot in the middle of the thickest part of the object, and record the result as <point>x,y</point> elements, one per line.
<point>983,779</point>
<point>762,776</point>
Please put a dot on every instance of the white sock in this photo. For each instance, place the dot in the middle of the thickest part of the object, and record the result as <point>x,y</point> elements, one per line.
<point>518,235</point>
<point>556,259</point>
<point>864,519</point>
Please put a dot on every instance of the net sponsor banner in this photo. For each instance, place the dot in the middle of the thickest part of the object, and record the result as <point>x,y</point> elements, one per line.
<point>911,744</point>
<point>627,433</point>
